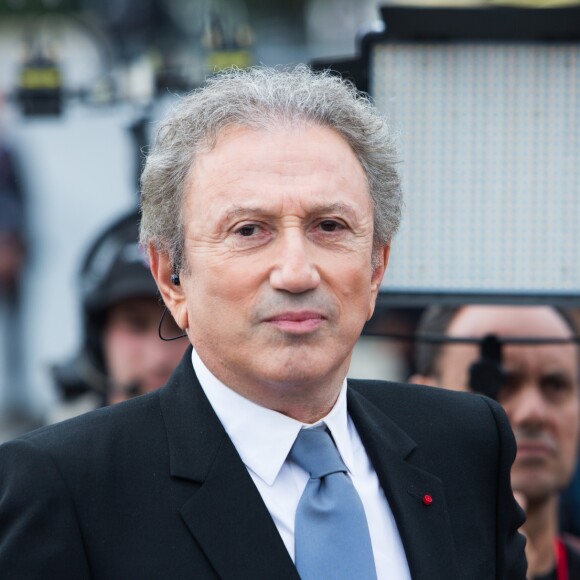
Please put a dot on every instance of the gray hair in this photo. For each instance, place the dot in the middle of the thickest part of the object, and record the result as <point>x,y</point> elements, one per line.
<point>263,98</point>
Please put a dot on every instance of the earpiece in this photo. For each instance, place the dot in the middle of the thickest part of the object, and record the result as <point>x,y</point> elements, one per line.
<point>175,279</point>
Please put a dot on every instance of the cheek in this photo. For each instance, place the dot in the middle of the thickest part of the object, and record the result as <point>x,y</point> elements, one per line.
<point>216,300</point>
<point>349,289</point>
<point>121,349</point>
<point>570,430</point>
<point>454,364</point>
<point>353,281</point>
<point>455,377</point>
<point>221,295</point>
<point>567,430</point>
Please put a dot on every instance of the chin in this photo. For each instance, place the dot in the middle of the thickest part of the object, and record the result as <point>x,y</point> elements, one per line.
<point>536,489</point>
<point>294,377</point>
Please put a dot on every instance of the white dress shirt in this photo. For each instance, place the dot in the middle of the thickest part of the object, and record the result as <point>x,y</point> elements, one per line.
<point>263,439</point>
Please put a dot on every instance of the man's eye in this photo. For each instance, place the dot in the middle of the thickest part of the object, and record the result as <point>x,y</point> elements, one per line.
<point>248,230</point>
<point>330,226</point>
<point>555,384</point>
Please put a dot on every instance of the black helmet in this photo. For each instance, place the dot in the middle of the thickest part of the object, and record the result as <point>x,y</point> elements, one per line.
<point>114,268</point>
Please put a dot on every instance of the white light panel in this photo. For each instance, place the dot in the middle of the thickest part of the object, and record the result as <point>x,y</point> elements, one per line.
<point>489,136</point>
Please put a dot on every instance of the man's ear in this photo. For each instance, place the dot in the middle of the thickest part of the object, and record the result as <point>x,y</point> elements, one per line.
<point>377,276</point>
<point>428,380</point>
<point>172,293</point>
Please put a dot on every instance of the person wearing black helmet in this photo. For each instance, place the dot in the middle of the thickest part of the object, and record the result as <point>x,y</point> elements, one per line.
<point>122,354</point>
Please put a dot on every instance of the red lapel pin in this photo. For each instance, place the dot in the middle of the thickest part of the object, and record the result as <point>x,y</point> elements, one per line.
<point>425,498</point>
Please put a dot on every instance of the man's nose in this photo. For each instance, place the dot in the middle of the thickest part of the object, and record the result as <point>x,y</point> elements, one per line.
<point>528,408</point>
<point>295,270</point>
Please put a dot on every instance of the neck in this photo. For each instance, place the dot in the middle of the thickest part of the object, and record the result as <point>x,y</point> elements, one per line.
<point>308,412</point>
<point>305,402</point>
<point>541,529</point>
<point>304,398</point>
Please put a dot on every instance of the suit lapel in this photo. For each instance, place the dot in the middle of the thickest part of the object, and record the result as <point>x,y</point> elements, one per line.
<point>424,526</point>
<point>225,514</point>
<point>228,519</point>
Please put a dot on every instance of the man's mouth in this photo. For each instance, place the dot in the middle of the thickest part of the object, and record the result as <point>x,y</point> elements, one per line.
<point>297,322</point>
<point>535,450</point>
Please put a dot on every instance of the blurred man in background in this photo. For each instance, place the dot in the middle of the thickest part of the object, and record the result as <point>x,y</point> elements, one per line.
<point>122,354</point>
<point>540,394</point>
<point>13,409</point>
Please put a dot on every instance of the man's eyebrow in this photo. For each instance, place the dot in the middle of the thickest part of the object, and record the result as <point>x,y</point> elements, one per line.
<point>513,374</point>
<point>338,208</point>
<point>242,210</point>
<point>238,212</point>
<point>557,374</point>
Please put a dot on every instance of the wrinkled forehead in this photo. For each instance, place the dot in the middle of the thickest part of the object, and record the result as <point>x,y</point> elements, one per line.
<point>246,162</point>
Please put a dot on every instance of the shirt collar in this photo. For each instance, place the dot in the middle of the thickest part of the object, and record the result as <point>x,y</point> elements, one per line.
<point>263,437</point>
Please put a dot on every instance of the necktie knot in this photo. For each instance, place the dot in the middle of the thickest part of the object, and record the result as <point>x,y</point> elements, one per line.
<point>331,537</point>
<point>315,452</point>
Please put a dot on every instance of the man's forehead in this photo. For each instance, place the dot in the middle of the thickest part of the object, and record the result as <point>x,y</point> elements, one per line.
<point>509,321</point>
<point>311,154</point>
<point>291,172</point>
<point>517,322</point>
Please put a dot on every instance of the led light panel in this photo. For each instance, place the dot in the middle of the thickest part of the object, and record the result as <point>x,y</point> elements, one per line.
<point>489,136</point>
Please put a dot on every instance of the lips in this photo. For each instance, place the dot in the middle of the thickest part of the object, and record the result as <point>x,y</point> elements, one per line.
<point>297,322</point>
<point>530,449</point>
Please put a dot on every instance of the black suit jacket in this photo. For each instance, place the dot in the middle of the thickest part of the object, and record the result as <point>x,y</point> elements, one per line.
<point>154,488</point>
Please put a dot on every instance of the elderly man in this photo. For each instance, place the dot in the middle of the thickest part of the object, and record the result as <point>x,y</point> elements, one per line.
<point>269,203</point>
<point>540,396</point>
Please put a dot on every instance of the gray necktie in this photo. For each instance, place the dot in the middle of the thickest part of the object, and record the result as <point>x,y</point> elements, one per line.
<point>332,538</point>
